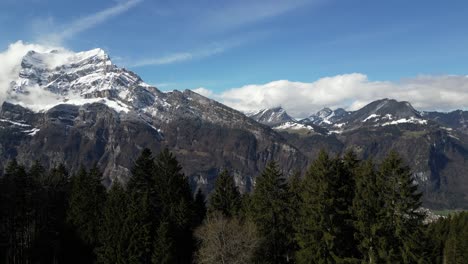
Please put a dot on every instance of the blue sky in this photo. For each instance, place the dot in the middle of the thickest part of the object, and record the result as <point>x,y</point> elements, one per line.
<point>220,45</point>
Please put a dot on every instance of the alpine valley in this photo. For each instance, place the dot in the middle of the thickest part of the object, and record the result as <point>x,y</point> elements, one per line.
<point>80,108</point>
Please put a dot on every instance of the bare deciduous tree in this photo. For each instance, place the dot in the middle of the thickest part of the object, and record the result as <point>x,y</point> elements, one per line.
<point>226,240</point>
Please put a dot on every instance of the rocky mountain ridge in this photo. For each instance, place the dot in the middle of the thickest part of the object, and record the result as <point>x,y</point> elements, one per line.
<point>80,108</point>
<point>435,145</point>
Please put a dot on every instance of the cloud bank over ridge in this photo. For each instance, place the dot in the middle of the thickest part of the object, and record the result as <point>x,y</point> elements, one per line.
<point>350,91</point>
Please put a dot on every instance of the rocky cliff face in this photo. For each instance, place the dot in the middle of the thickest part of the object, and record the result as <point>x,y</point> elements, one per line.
<point>79,109</point>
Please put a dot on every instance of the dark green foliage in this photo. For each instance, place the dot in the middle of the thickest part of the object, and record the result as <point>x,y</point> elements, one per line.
<point>138,226</point>
<point>112,235</point>
<point>343,211</point>
<point>86,205</point>
<point>368,213</point>
<point>142,215</point>
<point>19,213</point>
<point>164,249</point>
<point>402,220</point>
<point>199,208</point>
<point>142,179</point>
<point>449,238</point>
<point>271,213</point>
<point>322,230</point>
<point>225,197</point>
<point>175,204</point>
<point>51,243</point>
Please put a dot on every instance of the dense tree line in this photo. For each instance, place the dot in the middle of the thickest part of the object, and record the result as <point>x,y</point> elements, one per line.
<point>341,210</point>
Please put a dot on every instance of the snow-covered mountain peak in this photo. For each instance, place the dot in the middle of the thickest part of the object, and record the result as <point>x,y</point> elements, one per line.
<point>324,113</point>
<point>62,58</point>
<point>49,78</point>
<point>272,116</point>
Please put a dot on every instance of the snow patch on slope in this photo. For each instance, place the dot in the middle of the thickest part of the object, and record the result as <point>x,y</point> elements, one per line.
<point>293,126</point>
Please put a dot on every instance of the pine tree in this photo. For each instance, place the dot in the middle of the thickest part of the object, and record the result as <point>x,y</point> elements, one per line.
<point>270,212</point>
<point>456,244</point>
<point>113,241</point>
<point>295,188</point>
<point>402,219</point>
<point>19,215</point>
<point>85,208</point>
<point>199,208</point>
<point>225,197</point>
<point>142,179</point>
<point>138,227</point>
<point>367,209</point>
<point>320,231</point>
<point>164,249</point>
<point>57,185</point>
<point>345,186</point>
<point>143,209</point>
<point>175,202</point>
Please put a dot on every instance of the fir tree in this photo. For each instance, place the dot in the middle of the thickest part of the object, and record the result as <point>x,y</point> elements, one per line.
<point>295,188</point>
<point>270,212</point>
<point>138,227</point>
<point>225,197</point>
<point>85,207</point>
<point>367,209</point>
<point>199,208</point>
<point>112,236</point>
<point>175,204</point>
<point>143,209</point>
<point>164,249</point>
<point>320,231</point>
<point>456,243</point>
<point>402,219</point>
<point>142,179</point>
<point>20,213</point>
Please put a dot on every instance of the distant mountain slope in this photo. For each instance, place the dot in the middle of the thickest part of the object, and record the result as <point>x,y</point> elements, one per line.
<point>80,108</point>
<point>272,116</point>
<point>435,145</point>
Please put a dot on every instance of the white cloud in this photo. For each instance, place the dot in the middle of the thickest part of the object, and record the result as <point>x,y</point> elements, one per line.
<point>350,91</point>
<point>203,91</point>
<point>11,62</point>
<point>83,23</point>
<point>231,15</point>
<point>182,56</point>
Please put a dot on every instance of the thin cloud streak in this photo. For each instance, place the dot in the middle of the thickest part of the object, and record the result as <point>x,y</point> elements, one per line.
<point>87,22</point>
<point>246,12</point>
<point>181,57</point>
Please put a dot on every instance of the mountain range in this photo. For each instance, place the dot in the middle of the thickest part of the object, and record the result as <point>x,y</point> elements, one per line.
<point>80,109</point>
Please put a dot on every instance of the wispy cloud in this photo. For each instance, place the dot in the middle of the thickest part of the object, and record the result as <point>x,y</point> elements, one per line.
<point>208,51</point>
<point>235,14</point>
<point>86,22</point>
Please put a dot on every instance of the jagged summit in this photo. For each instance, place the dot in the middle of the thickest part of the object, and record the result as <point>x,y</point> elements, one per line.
<point>58,76</point>
<point>272,117</point>
<point>385,112</point>
<point>326,117</point>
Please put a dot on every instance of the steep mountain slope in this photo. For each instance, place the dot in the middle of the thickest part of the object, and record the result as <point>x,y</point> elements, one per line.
<point>272,116</point>
<point>455,120</point>
<point>438,155</point>
<point>79,108</point>
<point>326,117</point>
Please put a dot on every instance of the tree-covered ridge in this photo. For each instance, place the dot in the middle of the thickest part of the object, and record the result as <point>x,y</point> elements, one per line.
<point>341,210</point>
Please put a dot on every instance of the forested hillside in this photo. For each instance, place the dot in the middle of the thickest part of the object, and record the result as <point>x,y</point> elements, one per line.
<point>341,210</point>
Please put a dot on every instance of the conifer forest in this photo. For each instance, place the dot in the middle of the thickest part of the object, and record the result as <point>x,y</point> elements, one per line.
<point>340,210</point>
